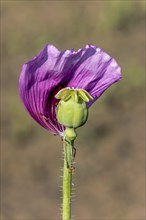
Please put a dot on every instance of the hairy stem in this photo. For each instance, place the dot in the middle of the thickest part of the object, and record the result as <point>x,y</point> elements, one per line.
<point>67,180</point>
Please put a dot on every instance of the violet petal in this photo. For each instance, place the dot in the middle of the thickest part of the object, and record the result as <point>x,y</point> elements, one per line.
<point>41,78</point>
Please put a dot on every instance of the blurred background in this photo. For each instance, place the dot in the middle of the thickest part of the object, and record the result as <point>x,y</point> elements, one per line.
<point>109,175</point>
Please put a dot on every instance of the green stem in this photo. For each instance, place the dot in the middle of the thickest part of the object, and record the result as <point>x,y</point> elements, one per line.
<point>67,180</point>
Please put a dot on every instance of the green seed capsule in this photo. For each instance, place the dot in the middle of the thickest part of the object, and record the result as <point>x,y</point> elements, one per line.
<point>72,114</point>
<point>72,111</point>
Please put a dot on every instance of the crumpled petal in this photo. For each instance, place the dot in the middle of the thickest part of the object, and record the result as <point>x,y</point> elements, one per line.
<point>41,78</point>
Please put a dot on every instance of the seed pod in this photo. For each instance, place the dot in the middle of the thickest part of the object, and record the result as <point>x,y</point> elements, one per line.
<point>72,111</point>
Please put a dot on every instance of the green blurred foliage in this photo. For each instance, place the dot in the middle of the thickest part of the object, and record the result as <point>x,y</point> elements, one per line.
<point>121,16</point>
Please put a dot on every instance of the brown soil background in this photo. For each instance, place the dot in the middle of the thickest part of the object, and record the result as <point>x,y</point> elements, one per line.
<point>109,180</point>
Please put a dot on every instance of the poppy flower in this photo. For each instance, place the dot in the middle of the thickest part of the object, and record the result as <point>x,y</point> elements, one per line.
<point>89,68</point>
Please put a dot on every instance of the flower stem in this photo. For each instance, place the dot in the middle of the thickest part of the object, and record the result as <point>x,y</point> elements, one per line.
<point>67,180</point>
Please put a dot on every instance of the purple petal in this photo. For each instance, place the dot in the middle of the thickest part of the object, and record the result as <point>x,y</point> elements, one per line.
<point>96,73</point>
<point>41,78</point>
